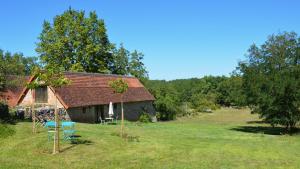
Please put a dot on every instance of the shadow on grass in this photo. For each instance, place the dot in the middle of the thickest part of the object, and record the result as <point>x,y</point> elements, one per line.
<point>67,148</point>
<point>261,129</point>
<point>111,123</point>
<point>256,122</point>
<point>80,141</point>
<point>9,120</point>
<point>75,142</point>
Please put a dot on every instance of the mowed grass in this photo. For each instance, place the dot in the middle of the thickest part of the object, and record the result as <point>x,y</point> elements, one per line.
<point>227,138</point>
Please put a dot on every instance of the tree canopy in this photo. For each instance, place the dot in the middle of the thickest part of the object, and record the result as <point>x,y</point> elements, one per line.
<point>271,79</point>
<point>14,65</point>
<point>119,86</point>
<point>77,42</point>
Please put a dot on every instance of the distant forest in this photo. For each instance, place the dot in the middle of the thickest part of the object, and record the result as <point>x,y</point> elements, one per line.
<point>190,96</point>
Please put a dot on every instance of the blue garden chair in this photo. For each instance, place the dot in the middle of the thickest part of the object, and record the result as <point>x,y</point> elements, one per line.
<point>50,125</point>
<point>68,130</point>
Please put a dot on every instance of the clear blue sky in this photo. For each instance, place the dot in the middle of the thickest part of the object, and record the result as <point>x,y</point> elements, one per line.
<point>180,39</point>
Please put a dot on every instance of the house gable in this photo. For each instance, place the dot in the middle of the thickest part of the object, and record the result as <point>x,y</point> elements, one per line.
<point>28,99</point>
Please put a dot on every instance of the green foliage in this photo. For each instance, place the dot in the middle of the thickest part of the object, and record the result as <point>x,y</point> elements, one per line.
<point>166,103</point>
<point>4,111</point>
<point>204,103</point>
<point>137,67</point>
<point>51,76</point>
<point>190,96</point>
<point>119,86</point>
<point>271,77</point>
<point>145,118</point>
<point>230,92</point>
<point>75,42</point>
<point>30,63</point>
<point>120,61</point>
<point>14,65</point>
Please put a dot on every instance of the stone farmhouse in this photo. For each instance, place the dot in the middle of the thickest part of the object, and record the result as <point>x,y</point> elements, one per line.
<point>87,97</point>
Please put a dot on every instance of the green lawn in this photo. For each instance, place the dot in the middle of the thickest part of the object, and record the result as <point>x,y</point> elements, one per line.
<point>227,138</point>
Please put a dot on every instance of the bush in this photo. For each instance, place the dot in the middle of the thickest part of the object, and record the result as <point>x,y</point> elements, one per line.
<point>204,103</point>
<point>145,118</point>
<point>167,109</point>
<point>4,111</point>
<point>185,110</point>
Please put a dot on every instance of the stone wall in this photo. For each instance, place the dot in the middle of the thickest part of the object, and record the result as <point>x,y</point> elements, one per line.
<point>78,115</point>
<point>132,112</point>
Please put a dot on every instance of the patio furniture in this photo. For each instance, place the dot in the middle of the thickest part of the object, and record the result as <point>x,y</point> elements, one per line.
<point>50,125</point>
<point>109,119</point>
<point>116,117</point>
<point>101,120</point>
<point>68,130</point>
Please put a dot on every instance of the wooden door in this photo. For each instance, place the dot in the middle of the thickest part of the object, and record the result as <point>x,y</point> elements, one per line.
<point>99,113</point>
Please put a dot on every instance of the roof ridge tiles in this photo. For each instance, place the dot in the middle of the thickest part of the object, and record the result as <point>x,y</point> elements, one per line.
<point>96,74</point>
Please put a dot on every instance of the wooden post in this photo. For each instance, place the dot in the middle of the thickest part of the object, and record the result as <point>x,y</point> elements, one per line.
<point>33,113</point>
<point>122,114</point>
<point>56,134</point>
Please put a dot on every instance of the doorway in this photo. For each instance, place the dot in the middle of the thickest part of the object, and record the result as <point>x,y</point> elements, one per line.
<point>99,113</point>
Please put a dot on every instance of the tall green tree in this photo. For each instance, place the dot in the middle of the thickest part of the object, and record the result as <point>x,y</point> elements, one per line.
<point>120,61</point>
<point>136,65</point>
<point>76,42</point>
<point>271,79</point>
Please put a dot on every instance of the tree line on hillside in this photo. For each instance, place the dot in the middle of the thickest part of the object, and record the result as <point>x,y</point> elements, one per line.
<point>190,96</point>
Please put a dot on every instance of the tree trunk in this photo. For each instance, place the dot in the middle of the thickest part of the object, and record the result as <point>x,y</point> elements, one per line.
<point>33,113</point>
<point>290,127</point>
<point>56,134</point>
<point>122,114</point>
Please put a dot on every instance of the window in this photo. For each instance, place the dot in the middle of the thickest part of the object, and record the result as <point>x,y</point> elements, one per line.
<point>84,110</point>
<point>115,105</point>
<point>41,95</point>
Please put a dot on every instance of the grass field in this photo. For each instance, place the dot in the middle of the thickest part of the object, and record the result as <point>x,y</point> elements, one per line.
<point>227,138</point>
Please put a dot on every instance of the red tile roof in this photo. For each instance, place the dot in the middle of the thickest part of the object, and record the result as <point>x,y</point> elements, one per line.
<point>88,89</point>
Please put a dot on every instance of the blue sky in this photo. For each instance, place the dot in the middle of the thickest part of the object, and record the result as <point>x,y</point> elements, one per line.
<point>180,39</point>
